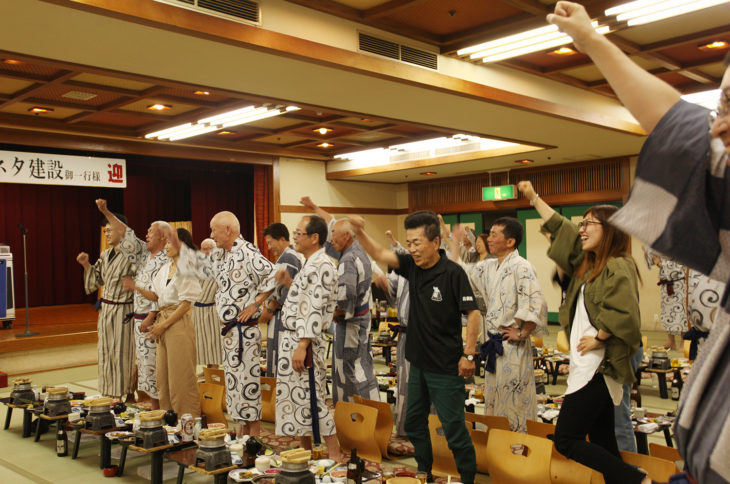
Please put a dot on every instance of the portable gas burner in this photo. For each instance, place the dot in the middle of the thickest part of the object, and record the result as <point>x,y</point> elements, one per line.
<point>100,416</point>
<point>212,453</point>
<point>57,403</point>
<point>22,392</point>
<point>150,430</point>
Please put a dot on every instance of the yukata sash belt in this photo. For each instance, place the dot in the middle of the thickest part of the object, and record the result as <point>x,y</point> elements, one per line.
<point>228,326</point>
<point>489,351</point>
<point>203,305</point>
<point>359,311</point>
<point>670,284</point>
<point>396,329</point>
<point>130,316</point>
<point>99,302</point>
<point>694,335</point>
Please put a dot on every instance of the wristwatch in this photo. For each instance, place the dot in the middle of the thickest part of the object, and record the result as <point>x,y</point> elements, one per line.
<point>468,357</point>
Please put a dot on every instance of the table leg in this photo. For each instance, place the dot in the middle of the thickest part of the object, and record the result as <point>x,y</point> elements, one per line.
<point>668,437</point>
<point>122,459</point>
<point>220,478</point>
<point>77,443</point>
<point>8,414</point>
<point>181,473</point>
<point>39,422</point>
<point>27,421</point>
<point>556,371</point>
<point>386,355</point>
<point>662,379</point>
<point>105,454</point>
<point>156,470</point>
<point>642,445</point>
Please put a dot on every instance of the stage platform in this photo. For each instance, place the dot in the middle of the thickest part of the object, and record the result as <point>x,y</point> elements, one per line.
<point>60,327</point>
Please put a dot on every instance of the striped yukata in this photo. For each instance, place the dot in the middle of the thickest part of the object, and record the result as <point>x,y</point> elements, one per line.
<point>398,297</point>
<point>679,207</point>
<point>148,265</point>
<point>116,340</point>
<point>207,326</point>
<point>291,260</point>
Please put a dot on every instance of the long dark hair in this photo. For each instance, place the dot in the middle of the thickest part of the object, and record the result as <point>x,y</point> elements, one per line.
<point>614,243</point>
<point>186,238</point>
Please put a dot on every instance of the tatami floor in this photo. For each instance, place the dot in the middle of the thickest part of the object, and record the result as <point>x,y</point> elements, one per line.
<point>25,461</point>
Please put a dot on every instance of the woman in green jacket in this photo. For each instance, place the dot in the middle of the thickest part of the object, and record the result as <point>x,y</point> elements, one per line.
<point>601,318</point>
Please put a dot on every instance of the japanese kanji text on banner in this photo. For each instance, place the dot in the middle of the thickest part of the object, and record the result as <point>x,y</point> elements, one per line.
<point>49,169</point>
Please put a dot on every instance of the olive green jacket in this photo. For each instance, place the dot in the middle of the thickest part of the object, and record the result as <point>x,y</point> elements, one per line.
<point>611,299</point>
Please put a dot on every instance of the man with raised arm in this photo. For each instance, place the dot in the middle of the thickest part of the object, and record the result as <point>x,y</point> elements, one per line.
<point>245,279</point>
<point>205,319</point>
<point>439,293</point>
<point>148,256</point>
<point>679,207</point>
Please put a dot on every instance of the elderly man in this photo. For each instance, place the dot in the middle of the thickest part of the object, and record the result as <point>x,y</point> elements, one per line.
<point>116,339</point>
<point>149,256</point>
<point>678,207</point>
<point>352,362</point>
<point>277,240</point>
<point>439,292</point>
<point>515,308</point>
<point>245,279</point>
<point>306,315</point>
<point>205,319</point>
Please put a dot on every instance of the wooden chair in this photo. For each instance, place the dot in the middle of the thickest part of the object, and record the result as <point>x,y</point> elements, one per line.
<point>658,469</point>
<point>505,467</point>
<point>540,429</point>
<point>355,424</point>
<point>268,399</point>
<point>562,342</point>
<point>664,452</point>
<point>383,423</point>
<point>211,396</point>
<point>480,436</point>
<point>216,376</point>
<point>567,471</point>
<point>443,459</point>
<point>686,344</point>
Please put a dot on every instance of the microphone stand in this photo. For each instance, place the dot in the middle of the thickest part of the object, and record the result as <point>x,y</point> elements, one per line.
<point>27,312</point>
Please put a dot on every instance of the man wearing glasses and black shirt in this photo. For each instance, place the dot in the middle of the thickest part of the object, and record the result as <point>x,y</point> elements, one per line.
<point>440,292</point>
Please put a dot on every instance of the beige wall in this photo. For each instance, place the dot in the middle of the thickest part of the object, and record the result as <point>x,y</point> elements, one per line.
<point>299,178</point>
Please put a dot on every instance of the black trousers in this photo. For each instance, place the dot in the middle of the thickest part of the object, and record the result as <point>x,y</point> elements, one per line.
<point>589,411</point>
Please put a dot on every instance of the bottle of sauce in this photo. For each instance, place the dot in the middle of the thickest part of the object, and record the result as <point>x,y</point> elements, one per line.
<point>354,468</point>
<point>61,441</point>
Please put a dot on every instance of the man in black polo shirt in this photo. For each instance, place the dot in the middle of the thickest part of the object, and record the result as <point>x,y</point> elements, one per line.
<point>440,293</point>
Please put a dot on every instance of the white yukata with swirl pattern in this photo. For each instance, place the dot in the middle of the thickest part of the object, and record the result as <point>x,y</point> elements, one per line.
<point>307,313</point>
<point>241,273</point>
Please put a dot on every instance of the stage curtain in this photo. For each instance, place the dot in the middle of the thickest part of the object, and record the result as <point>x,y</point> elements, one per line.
<point>261,187</point>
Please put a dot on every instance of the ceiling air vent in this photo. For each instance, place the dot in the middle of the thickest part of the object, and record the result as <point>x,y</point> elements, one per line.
<point>239,10</point>
<point>396,51</point>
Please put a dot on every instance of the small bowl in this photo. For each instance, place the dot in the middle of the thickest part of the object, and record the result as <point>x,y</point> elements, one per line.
<point>111,471</point>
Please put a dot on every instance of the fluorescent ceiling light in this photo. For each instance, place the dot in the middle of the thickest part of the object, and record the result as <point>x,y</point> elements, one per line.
<point>707,99</point>
<point>646,11</point>
<point>236,117</point>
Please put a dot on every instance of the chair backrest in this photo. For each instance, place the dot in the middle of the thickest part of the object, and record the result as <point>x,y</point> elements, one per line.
<point>686,346</point>
<point>562,342</point>
<point>490,421</point>
<point>355,424</point>
<point>645,343</point>
<point>507,467</point>
<point>480,436</point>
<point>383,423</point>
<point>540,429</point>
<point>211,398</point>
<point>214,375</point>
<point>658,469</point>
<point>664,452</point>
<point>568,471</point>
<point>268,399</point>
<point>443,459</point>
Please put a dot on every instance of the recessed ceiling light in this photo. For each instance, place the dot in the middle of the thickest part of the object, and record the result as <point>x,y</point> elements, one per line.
<point>562,51</point>
<point>524,161</point>
<point>428,173</point>
<point>716,45</point>
<point>39,110</point>
<point>322,130</point>
<point>367,120</point>
<point>224,132</point>
<point>13,62</point>
<point>159,107</point>
<point>325,145</point>
<point>202,93</point>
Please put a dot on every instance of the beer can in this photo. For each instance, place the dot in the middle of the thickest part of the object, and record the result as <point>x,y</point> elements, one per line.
<point>186,427</point>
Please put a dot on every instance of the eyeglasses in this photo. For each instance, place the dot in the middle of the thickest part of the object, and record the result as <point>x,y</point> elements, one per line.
<point>586,223</point>
<point>299,234</point>
<point>722,107</point>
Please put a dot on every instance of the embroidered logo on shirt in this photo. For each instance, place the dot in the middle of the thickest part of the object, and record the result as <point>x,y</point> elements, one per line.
<point>467,298</point>
<point>436,296</point>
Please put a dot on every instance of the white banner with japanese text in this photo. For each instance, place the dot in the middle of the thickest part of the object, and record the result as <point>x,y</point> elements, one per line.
<point>49,169</point>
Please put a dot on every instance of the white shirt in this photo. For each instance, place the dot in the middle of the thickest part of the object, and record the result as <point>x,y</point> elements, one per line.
<point>583,367</point>
<point>180,288</point>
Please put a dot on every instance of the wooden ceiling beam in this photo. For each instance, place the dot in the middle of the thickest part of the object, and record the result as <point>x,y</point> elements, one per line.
<point>28,93</point>
<point>685,39</point>
<point>530,6</point>
<point>389,8</point>
<point>493,30</point>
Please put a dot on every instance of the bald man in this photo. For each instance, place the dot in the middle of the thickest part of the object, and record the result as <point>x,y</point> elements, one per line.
<point>352,362</point>
<point>205,319</point>
<point>245,278</point>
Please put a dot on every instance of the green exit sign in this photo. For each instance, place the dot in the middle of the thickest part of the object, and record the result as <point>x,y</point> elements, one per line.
<point>505,192</point>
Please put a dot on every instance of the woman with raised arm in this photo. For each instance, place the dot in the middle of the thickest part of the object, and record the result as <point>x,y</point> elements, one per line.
<point>600,315</point>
